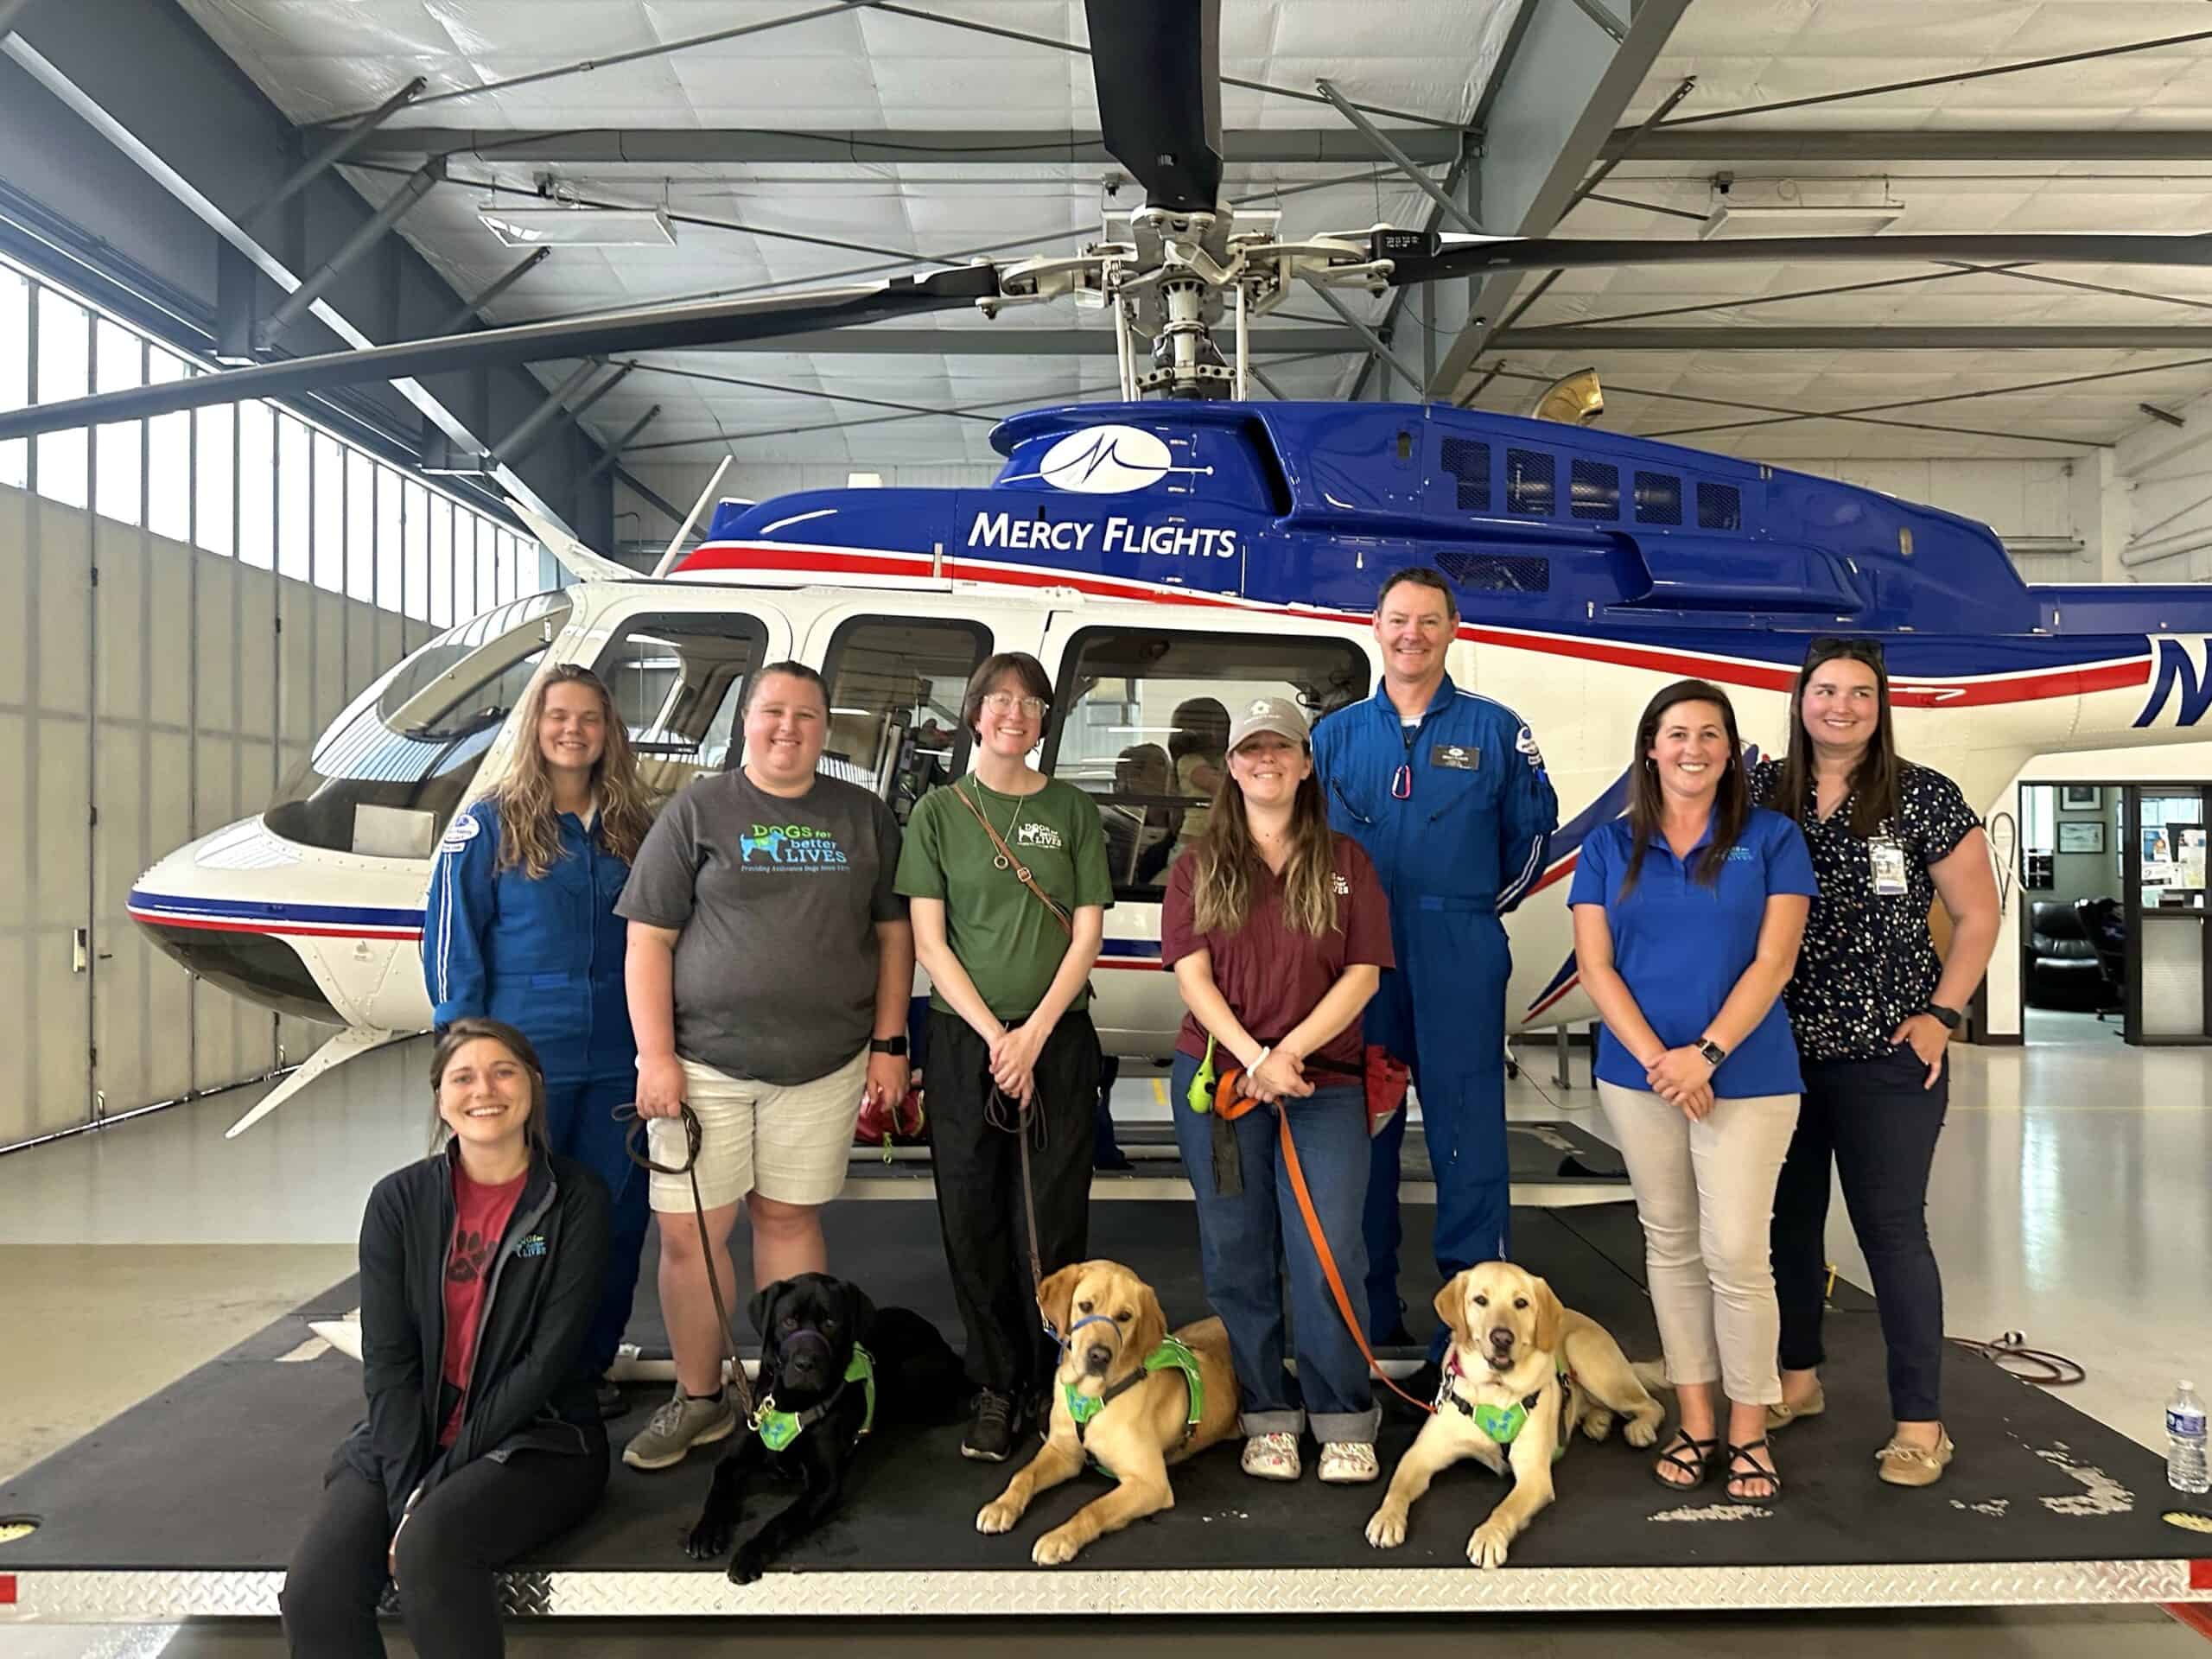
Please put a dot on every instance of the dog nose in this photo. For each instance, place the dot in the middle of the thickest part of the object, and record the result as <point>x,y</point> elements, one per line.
<point>1500,1337</point>
<point>1098,1356</point>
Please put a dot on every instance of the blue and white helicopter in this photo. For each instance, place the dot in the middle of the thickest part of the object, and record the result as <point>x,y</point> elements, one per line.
<point>1166,559</point>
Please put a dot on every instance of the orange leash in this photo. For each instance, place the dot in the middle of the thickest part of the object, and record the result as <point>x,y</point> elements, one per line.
<point>1233,1105</point>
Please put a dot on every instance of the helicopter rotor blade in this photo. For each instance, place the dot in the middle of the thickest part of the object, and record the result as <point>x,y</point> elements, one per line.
<point>1157,67</point>
<point>645,329</point>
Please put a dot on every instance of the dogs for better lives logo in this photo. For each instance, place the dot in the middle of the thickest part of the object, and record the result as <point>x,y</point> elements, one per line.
<point>798,847</point>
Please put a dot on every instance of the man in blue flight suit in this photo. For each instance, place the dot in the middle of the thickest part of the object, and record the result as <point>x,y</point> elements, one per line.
<point>1446,792</point>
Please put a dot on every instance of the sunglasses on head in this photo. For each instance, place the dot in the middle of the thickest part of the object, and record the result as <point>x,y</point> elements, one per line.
<point>1834,645</point>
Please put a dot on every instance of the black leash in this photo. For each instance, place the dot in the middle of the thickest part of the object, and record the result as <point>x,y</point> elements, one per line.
<point>739,1383</point>
<point>1002,1111</point>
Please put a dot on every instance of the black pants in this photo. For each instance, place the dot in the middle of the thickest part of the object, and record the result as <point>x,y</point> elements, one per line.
<point>1878,1125</point>
<point>480,1519</point>
<point>979,1207</point>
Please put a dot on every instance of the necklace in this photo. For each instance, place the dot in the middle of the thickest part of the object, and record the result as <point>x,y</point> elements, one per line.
<point>999,861</point>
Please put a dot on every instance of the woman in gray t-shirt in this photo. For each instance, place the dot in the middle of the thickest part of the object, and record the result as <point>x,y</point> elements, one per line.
<point>769,968</point>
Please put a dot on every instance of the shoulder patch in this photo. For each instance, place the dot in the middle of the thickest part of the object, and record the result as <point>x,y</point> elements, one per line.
<point>1526,743</point>
<point>462,830</point>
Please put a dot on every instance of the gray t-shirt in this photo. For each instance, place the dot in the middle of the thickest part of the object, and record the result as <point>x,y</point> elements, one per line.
<point>776,899</point>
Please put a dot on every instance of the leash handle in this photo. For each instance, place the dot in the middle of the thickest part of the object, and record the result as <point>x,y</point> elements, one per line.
<point>741,1385</point>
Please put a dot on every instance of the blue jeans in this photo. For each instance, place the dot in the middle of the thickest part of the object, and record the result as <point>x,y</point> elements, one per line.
<point>1245,1241</point>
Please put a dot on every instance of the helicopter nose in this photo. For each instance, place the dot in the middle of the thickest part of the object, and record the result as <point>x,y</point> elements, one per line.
<point>216,906</point>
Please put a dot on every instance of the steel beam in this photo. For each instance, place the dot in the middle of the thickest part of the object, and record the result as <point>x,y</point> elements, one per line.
<point>1605,20</point>
<point>1024,146</point>
<point>615,450</point>
<point>1391,151</point>
<point>1568,86</point>
<point>1374,342</point>
<point>1876,145</point>
<point>1873,337</point>
<point>472,308</point>
<point>366,235</point>
<point>877,339</point>
<point>342,143</point>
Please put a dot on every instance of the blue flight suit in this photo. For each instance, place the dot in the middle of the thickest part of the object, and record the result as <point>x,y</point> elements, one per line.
<point>1456,814</point>
<point>546,957</point>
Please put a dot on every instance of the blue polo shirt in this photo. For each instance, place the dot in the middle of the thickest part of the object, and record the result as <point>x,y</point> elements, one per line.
<point>1681,946</point>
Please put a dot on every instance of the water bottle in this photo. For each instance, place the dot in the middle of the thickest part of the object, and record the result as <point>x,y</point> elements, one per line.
<point>2186,1470</point>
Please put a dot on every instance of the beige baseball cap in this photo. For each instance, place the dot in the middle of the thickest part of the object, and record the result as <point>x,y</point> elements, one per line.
<point>1277,714</point>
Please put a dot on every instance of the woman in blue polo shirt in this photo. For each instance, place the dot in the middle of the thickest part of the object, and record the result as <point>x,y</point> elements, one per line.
<point>1688,914</point>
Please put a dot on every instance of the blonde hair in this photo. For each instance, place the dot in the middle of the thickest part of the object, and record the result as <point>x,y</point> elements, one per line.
<point>1222,880</point>
<point>529,834</point>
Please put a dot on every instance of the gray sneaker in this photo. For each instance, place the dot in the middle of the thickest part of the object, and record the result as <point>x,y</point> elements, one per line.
<point>680,1424</point>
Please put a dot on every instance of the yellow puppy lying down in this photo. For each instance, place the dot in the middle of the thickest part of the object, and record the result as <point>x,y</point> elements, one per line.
<point>1521,1373</point>
<point>1152,1415</point>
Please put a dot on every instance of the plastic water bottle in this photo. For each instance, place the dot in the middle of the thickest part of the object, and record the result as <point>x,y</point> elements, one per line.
<point>2186,1470</point>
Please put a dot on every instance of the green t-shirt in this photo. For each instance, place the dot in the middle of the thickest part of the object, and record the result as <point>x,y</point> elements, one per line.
<point>1008,941</point>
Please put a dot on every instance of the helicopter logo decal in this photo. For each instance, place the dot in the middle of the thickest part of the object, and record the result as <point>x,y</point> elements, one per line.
<point>1109,461</point>
<point>2178,672</point>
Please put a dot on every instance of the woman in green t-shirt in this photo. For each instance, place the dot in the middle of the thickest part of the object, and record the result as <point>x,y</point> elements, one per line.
<point>1008,876</point>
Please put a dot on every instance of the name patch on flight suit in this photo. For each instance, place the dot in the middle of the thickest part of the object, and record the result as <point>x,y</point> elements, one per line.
<point>1455,756</point>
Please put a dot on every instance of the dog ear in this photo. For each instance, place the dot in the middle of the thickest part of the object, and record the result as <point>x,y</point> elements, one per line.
<point>859,1313</point>
<point>762,1312</point>
<point>1151,1327</point>
<point>1551,1317</point>
<point>1452,1308</point>
<point>1056,1296</point>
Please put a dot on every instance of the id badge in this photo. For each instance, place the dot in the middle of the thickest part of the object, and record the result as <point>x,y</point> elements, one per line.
<point>1888,859</point>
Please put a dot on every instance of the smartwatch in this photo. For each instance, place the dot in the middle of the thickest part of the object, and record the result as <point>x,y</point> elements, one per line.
<point>1950,1016</point>
<point>887,1046</point>
<point>1713,1052</point>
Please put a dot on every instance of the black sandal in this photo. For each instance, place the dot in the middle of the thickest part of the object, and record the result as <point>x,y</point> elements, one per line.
<point>1686,1452</point>
<point>1752,1471</point>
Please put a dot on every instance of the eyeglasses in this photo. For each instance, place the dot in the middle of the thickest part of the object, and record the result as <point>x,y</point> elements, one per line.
<point>1005,703</point>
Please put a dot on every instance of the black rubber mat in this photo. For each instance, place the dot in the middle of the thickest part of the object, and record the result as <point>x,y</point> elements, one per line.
<point>220,1469</point>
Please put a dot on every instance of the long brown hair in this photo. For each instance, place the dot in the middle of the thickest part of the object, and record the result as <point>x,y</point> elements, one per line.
<point>529,834</point>
<point>1874,798</point>
<point>458,1035</point>
<point>1229,860</point>
<point>1731,801</point>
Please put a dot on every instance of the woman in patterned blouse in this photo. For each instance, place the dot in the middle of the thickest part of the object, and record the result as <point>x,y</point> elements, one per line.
<point>1874,1008</point>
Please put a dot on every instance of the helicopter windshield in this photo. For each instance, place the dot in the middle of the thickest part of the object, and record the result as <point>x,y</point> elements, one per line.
<point>386,775</point>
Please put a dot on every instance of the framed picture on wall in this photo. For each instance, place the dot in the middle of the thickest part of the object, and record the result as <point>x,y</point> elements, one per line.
<point>2082,798</point>
<point>2082,836</point>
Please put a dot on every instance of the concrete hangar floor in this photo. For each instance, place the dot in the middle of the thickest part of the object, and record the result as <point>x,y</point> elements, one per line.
<point>2068,1202</point>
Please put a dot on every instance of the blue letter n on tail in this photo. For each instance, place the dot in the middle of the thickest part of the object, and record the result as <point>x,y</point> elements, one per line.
<point>2178,668</point>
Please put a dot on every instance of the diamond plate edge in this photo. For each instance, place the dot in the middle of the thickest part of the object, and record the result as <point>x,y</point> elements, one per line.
<point>115,1596</point>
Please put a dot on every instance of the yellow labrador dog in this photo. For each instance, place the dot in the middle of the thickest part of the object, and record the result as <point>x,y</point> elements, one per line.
<point>1126,1396</point>
<point>1522,1373</point>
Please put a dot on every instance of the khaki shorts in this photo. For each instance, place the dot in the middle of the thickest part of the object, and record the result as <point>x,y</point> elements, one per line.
<point>789,1143</point>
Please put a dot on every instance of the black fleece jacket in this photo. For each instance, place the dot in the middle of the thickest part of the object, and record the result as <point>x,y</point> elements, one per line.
<point>529,1388</point>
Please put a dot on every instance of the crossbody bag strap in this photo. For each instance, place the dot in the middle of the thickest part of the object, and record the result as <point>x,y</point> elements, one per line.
<point>1019,869</point>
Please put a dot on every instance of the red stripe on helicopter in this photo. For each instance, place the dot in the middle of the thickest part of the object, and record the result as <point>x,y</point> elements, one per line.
<point>2030,685</point>
<point>167,919</point>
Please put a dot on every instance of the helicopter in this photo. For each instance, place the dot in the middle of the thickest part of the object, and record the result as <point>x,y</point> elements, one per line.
<point>1183,545</point>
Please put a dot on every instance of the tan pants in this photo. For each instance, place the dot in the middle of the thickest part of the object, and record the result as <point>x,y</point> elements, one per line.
<point>1705,1193</point>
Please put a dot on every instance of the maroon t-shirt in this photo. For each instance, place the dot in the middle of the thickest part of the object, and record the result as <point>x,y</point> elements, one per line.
<point>481,1218</point>
<point>1272,976</point>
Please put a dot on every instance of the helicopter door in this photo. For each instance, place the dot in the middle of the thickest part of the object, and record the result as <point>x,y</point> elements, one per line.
<point>679,677</point>
<point>896,684</point>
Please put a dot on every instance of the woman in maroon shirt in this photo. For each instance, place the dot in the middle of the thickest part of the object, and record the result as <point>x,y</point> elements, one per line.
<point>1278,932</point>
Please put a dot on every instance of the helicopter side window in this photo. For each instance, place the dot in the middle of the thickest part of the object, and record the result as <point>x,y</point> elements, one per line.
<point>895,686</point>
<point>678,680</point>
<point>1143,729</point>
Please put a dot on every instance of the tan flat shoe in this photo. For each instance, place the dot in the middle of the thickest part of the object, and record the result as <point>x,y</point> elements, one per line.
<point>1903,1464</point>
<point>1782,1414</point>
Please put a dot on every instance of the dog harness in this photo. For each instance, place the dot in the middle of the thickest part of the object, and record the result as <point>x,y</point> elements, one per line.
<point>1171,1354</point>
<point>777,1429</point>
<point>1503,1424</point>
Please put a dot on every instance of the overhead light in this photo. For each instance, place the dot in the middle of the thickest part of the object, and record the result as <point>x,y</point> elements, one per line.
<point>1735,218</point>
<point>863,480</point>
<point>579,227</point>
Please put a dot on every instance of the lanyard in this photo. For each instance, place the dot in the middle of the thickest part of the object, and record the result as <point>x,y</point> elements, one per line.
<point>1402,781</point>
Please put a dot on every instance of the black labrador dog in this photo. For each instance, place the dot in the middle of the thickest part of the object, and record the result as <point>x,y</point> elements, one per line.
<point>814,1421</point>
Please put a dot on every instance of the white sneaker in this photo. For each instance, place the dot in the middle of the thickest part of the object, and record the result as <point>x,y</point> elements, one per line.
<point>1348,1463</point>
<point>1271,1456</point>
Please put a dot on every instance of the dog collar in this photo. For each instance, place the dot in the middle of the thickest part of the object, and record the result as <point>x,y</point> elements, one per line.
<point>777,1429</point>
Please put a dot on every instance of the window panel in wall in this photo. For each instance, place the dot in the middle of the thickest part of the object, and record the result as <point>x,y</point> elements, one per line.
<point>215,478</point>
<point>15,370</point>
<point>387,538</point>
<point>294,492</point>
<point>416,589</point>
<point>360,527</point>
<point>65,369</point>
<point>257,484</point>
<point>442,513</point>
<point>464,562</point>
<point>329,514</point>
<point>118,364</point>
<point>169,455</point>
<point>488,564</point>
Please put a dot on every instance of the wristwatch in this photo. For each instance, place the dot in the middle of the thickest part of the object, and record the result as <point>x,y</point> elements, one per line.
<point>1713,1052</point>
<point>1950,1017</point>
<point>887,1046</point>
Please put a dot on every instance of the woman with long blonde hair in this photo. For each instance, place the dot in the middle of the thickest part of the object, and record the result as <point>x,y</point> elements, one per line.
<point>520,927</point>
<point>1278,932</point>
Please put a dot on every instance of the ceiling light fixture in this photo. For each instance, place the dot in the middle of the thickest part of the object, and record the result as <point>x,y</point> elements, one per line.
<point>1742,220</point>
<point>579,227</point>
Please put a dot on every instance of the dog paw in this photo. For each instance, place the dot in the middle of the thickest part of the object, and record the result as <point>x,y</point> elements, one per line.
<point>707,1541</point>
<point>1056,1548</point>
<point>1386,1528</point>
<point>998,1515</point>
<point>746,1567</point>
<point>1642,1430</point>
<point>1597,1423</point>
<point>1488,1546</point>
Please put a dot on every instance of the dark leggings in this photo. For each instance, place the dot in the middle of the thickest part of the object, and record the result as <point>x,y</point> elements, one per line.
<point>1878,1126</point>
<point>471,1523</point>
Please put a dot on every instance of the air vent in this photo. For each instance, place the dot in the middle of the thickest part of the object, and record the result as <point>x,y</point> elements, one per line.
<point>1596,489</point>
<point>1531,482</point>
<point>1719,506</point>
<point>1492,573</point>
<point>1658,498</point>
<point>1469,464</point>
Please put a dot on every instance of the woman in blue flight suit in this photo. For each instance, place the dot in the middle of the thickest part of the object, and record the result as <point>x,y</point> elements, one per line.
<point>520,927</point>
